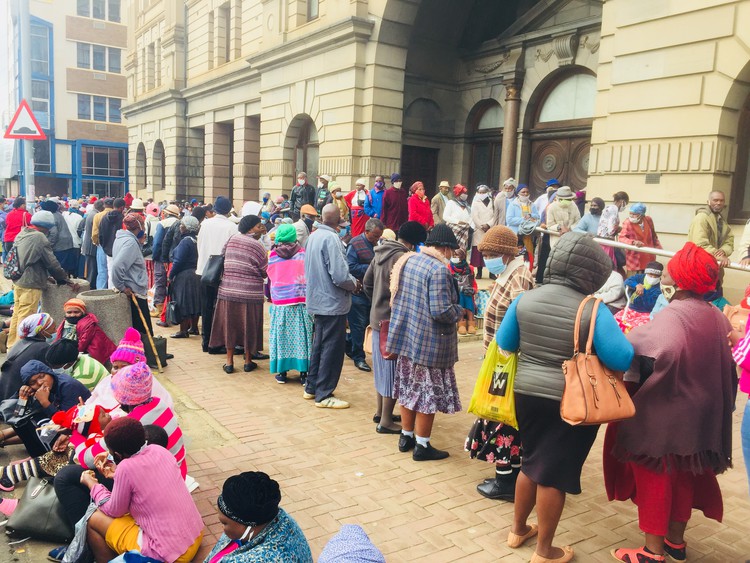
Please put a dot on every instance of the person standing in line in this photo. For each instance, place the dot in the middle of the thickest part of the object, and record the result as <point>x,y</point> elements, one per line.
<point>185,284</point>
<point>339,201</point>
<point>329,289</point>
<point>15,221</point>
<point>710,231</point>
<point>483,218</point>
<point>163,232</point>
<point>302,194</point>
<point>395,204</point>
<point>212,237</point>
<point>60,237</point>
<point>108,227</point>
<point>322,193</point>
<point>304,225</point>
<point>457,215</point>
<point>439,201</point>
<point>589,223</point>
<point>152,221</point>
<point>74,220</point>
<point>419,206</point>
<point>562,214</point>
<point>88,248</point>
<point>129,270</point>
<point>374,201</point>
<point>356,201</point>
<point>359,255</point>
<point>422,333</point>
<point>503,198</point>
<point>102,276</point>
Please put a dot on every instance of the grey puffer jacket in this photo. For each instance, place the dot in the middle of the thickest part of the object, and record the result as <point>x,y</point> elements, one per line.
<point>377,281</point>
<point>37,260</point>
<point>577,267</point>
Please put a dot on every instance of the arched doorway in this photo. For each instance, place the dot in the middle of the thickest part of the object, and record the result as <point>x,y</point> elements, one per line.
<point>484,134</point>
<point>740,200</point>
<point>158,172</point>
<point>140,168</point>
<point>422,126</point>
<point>302,147</point>
<point>561,129</point>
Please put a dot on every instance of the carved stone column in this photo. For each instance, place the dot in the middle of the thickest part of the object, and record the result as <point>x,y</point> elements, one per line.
<point>510,129</point>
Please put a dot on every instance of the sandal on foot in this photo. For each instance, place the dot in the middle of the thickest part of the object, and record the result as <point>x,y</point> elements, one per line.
<point>228,368</point>
<point>567,555</point>
<point>636,555</point>
<point>515,540</point>
<point>675,551</point>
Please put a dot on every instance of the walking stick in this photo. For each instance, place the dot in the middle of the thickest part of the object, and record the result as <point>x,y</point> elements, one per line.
<point>148,332</point>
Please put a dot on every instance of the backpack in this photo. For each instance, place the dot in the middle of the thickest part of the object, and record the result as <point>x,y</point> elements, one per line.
<point>12,269</point>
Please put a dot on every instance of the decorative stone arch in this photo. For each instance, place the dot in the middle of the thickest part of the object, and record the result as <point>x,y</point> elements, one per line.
<point>301,149</point>
<point>423,116</point>
<point>141,180</point>
<point>158,167</point>
<point>734,124</point>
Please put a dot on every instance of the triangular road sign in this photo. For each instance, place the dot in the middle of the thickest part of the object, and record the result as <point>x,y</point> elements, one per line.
<point>24,125</point>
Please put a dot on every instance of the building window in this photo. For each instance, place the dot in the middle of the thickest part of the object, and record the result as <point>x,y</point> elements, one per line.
<point>103,188</point>
<point>312,9</point>
<point>113,60</point>
<point>102,161</point>
<point>84,8</point>
<point>104,109</point>
<point>486,130</point>
<point>99,57</point>
<point>223,34</point>
<point>99,9</point>
<point>114,110</point>
<point>100,108</point>
<point>42,162</point>
<point>83,55</point>
<point>40,101</point>
<point>40,49</point>
<point>84,106</point>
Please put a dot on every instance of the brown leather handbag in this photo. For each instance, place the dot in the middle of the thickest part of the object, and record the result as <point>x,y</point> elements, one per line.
<point>594,394</point>
<point>383,325</point>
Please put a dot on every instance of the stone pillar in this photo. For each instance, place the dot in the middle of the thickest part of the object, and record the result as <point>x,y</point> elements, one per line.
<point>246,159</point>
<point>510,129</point>
<point>216,160</point>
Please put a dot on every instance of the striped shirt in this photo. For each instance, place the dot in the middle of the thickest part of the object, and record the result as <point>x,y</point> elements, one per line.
<point>245,263</point>
<point>88,371</point>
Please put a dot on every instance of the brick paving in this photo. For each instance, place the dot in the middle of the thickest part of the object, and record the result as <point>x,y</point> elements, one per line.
<point>334,468</point>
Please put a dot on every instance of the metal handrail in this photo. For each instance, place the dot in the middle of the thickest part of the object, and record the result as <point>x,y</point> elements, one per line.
<point>644,249</point>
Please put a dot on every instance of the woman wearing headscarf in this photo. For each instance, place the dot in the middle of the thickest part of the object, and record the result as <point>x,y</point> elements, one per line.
<point>666,458</point>
<point>457,215</point>
<point>238,320</point>
<point>291,330</point>
<point>185,284</point>
<point>422,333</point>
<point>419,206</point>
<point>541,323</point>
<point>33,332</point>
<point>490,441</point>
<point>483,219</point>
<point>522,217</point>
<point>152,221</point>
<point>638,230</point>
<point>148,509</point>
<point>609,226</point>
<point>83,327</point>
<point>255,527</point>
<point>376,285</point>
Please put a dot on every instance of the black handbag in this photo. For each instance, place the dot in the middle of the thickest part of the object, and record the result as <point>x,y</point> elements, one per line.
<point>213,270</point>
<point>40,515</point>
<point>161,347</point>
<point>173,312</point>
<point>26,428</point>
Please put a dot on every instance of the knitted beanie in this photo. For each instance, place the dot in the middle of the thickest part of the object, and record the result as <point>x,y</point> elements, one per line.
<point>75,303</point>
<point>130,350</point>
<point>132,385</point>
<point>499,240</point>
<point>442,235</point>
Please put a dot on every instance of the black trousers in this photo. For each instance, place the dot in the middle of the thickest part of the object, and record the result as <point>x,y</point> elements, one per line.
<point>137,322</point>
<point>329,344</point>
<point>73,496</point>
<point>544,249</point>
<point>359,318</point>
<point>91,270</point>
<point>207,312</point>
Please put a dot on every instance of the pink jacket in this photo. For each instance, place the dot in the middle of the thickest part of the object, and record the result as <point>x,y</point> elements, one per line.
<point>741,355</point>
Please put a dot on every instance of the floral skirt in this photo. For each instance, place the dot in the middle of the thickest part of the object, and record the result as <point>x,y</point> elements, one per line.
<point>290,338</point>
<point>424,389</point>
<point>494,442</point>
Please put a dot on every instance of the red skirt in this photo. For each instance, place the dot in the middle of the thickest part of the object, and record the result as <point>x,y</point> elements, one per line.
<point>660,497</point>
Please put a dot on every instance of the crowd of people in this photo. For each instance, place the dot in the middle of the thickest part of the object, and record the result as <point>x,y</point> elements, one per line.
<point>380,267</point>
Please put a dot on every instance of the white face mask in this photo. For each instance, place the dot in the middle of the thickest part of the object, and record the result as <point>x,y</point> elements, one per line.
<point>523,198</point>
<point>464,197</point>
<point>482,197</point>
<point>651,281</point>
<point>337,195</point>
<point>301,181</point>
<point>320,186</point>
<point>455,260</point>
<point>397,184</point>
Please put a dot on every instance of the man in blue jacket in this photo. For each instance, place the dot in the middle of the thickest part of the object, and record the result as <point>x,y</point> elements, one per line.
<point>374,199</point>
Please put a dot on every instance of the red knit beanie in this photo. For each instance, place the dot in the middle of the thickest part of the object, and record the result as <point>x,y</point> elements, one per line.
<point>694,269</point>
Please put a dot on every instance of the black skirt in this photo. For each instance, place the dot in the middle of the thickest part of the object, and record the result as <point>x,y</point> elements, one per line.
<point>553,450</point>
<point>186,293</point>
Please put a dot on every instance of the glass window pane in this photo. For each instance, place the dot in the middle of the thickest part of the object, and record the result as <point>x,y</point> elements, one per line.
<point>114,110</point>
<point>42,156</point>
<point>83,8</point>
<point>573,98</point>
<point>100,57</point>
<point>98,7</point>
<point>100,108</point>
<point>101,161</point>
<point>312,9</point>
<point>39,49</point>
<point>84,106</point>
<point>84,55</point>
<point>116,162</point>
<point>87,160</point>
<point>114,60</point>
<point>40,89</point>
<point>114,11</point>
<point>492,118</point>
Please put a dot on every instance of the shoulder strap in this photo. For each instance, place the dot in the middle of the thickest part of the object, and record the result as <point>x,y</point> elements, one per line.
<point>592,325</point>
<point>577,329</point>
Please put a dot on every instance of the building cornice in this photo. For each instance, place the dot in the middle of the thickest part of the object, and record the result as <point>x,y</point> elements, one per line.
<point>153,102</point>
<point>347,31</point>
<point>222,81</point>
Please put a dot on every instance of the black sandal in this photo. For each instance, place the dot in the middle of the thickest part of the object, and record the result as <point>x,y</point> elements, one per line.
<point>228,368</point>
<point>251,366</point>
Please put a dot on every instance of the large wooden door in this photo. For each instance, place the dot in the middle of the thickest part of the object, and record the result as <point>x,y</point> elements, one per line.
<point>419,163</point>
<point>566,159</point>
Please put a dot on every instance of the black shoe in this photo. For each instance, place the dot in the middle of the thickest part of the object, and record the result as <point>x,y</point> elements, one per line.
<point>385,430</point>
<point>250,367</point>
<point>217,351</point>
<point>162,324</point>
<point>675,552</point>
<point>228,368</point>
<point>428,453</point>
<point>303,377</point>
<point>394,418</point>
<point>194,331</point>
<point>405,443</point>
<point>180,334</point>
<point>169,356</point>
<point>204,348</point>
<point>260,356</point>
<point>499,488</point>
<point>361,365</point>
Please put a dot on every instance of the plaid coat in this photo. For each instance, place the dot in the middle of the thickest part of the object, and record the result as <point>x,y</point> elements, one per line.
<point>424,314</point>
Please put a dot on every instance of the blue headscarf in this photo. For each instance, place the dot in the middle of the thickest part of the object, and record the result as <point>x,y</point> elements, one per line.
<point>638,208</point>
<point>31,368</point>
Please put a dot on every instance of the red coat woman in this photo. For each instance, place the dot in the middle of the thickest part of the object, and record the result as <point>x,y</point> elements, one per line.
<point>84,327</point>
<point>419,206</point>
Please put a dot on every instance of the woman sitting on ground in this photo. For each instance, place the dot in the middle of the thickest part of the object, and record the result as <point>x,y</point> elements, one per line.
<point>255,528</point>
<point>63,355</point>
<point>33,332</point>
<point>149,508</point>
<point>83,327</point>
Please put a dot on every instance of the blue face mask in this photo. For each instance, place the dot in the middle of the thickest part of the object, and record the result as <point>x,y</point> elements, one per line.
<point>343,232</point>
<point>495,265</point>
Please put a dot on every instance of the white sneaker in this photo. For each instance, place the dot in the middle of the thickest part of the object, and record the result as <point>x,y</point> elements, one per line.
<point>332,403</point>
<point>307,396</point>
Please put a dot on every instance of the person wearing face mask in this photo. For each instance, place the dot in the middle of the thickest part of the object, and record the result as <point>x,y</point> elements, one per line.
<point>339,201</point>
<point>457,215</point>
<point>463,273</point>
<point>83,327</point>
<point>541,203</point>
<point>562,214</point>
<point>356,201</point>
<point>683,383</point>
<point>304,226</point>
<point>638,230</point>
<point>255,527</point>
<point>302,194</point>
<point>522,218</point>
<point>589,223</point>
<point>506,194</point>
<point>374,201</point>
<point>33,333</point>
<point>439,201</point>
<point>483,219</point>
<point>609,227</point>
<point>395,204</point>
<point>490,441</point>
<point>63,355</point>
<point>419,206</point>
<point>322,195</point>
<point>642,292</point>
<point>128,271</point>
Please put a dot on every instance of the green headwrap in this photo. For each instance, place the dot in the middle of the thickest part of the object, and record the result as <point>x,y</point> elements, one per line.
<point>286,233</point>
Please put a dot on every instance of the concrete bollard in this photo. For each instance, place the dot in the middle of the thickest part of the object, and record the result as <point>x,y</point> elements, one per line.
<point>112,309</point>
<point>55,296</point>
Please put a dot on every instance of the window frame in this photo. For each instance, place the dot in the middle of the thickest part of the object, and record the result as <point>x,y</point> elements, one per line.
<point>110,10</point>
<point>89,50</point>
<point>312,10</point>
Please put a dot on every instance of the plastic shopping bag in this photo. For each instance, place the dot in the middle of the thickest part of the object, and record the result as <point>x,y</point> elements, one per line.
<point>493,397</point>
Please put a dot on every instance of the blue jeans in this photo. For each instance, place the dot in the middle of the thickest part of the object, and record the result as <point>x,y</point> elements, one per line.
<point>101,268</point>
<point>745,433</point>
<point>359,318</point>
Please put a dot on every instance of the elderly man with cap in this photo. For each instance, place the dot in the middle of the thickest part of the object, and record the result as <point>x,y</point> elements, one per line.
<point>37,263</point>
<point>302,193</point>
<point>666,458</point>
<point>638,230</point>
<point>356,200</point>
<point>439,201</point>
<point>395,204</point>
<point>171,217</point>
<point>589,223</point>
<point>562,214</point>
<point>304,225</point>
<point>129,269</point>
<point>503,198</point>
<point>541,203</point>
<point>322,195</point>
<point>339,201</point>
<point>213,235</point>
